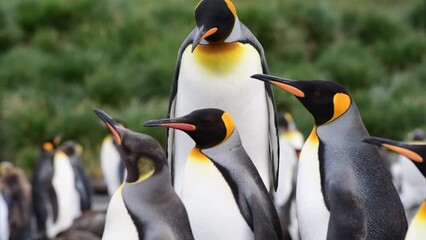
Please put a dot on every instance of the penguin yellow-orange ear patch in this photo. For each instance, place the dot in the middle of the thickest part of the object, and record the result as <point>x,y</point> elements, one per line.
<point>341,103</point>
<point>231,7</point>
<point>229,124</point>
<point>406,152</point>
<point>47,146</point>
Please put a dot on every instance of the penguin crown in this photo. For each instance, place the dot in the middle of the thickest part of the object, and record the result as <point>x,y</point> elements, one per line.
<point>207,127</point>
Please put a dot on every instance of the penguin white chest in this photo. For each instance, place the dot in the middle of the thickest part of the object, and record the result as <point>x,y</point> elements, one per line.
<point>63,182</point>
<point>119,224</point>
<point>212,210</point>
<point>110,164</point>
<point>220,78</point>
<point>312,214</point>
<point>4,218</point>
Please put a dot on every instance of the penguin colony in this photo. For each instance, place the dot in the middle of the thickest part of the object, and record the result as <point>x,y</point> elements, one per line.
<point>222,176</point>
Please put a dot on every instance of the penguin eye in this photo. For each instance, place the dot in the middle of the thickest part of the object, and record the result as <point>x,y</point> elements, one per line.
<point>205,123</point>
<point>317,94</point>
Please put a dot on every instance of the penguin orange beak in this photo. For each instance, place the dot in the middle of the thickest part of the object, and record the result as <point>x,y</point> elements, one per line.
<point>283,83</point>
<point>176,123</point>
<point>201,35</point>
<point>114,127</point>
<point>395,146</point>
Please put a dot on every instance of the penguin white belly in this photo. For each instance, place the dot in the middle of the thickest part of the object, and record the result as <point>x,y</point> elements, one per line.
<point>63,182</point>
<point>119,224</point>
<point>212,210</point>
<point>312,214</point>
<point>4,218</point>
<point>110,164</point>
<point>222,80</point>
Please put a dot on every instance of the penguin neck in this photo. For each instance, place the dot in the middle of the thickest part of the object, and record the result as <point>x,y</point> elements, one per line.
<point>144,169</point>
<point>219,57</point>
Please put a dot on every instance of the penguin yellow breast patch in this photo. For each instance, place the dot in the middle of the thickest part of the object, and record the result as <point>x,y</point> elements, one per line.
<point>417,229</point>
<point>406,152</point>
<point>313,137</point>
<point>220,57</point>
<point>197,155</point>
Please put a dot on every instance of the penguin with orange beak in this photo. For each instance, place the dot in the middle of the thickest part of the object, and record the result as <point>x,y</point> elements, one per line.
<point>343,189</point>
<point>213,69</point>
<point>222,191</point>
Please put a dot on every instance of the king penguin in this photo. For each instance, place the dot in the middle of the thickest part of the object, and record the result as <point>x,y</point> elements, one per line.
<point>213,68</point>
<point>145,206</point>
<point>43,193</point>
<point>343,189</point>
<point>55,195</point>
<point>82,184</point>
<point>417,153</point>
<point>224,193</point>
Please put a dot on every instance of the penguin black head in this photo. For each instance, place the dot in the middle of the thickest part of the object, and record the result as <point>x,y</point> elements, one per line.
<point>51,144</point>
<point>325,100</point>
<point>71,148</point>
<point>215,21</point>
<point>414,151</point>
<point>207,127</point>
<point>141,154</point>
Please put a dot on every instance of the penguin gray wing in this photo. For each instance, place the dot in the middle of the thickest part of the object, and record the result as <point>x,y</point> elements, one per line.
<point>172,100</point>
<point>248,37</point>
<point>82,184</point>
<point>348,219</point>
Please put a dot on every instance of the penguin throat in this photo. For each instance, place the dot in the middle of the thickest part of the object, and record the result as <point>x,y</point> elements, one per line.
<point>145,168</point>
<point>219,56</point>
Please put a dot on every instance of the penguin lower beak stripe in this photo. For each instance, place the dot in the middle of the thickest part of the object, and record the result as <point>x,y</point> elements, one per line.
<point>295,91</point>
<point>169,124</point>
<point>181,126</point>
<point>394,146</point>
<point>201,35</point>
<point>112,125</point>
<point>282,83</point>
<point>403,151</point>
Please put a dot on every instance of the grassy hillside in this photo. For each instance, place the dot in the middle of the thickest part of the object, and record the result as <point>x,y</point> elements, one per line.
<point>59,59</point>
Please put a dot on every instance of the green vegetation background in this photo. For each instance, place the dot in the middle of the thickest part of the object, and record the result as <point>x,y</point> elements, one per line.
<point>59,59</point>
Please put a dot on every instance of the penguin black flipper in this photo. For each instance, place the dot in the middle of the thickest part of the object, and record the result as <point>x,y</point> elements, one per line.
<point>172,100</point>
<point>250,193</point>
<point>83,188</point>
